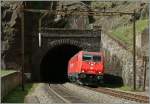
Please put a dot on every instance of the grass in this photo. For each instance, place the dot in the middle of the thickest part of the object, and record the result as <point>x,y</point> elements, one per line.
<point>125,88</point>
<point>125,33</point>
<point>116,86</point>
<point>17,95</point>
<point>97,4</point>
<point>6,72</point>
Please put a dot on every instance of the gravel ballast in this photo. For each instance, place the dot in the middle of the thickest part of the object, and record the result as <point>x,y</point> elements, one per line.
<point>41,94</point>
<point>97,97</point>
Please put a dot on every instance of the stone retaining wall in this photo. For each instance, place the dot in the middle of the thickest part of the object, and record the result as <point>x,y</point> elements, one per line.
<point>9,82</point>
<point>119,62</point>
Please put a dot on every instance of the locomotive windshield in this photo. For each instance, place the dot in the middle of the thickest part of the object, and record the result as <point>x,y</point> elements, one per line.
<point>88,57</point>
<point>96,58</point>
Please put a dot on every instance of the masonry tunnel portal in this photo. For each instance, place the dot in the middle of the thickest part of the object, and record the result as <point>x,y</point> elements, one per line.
<point>53,67</point>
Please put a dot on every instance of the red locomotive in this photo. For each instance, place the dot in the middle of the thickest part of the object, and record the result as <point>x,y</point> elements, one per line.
<point>86,68</point>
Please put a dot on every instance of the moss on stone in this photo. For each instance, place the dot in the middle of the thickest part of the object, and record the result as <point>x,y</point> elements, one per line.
<point>6,72</point>
<point>17,95</point>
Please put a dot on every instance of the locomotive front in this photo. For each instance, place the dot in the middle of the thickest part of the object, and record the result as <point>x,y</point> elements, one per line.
<point>92,68</point>
<point>86,68</point>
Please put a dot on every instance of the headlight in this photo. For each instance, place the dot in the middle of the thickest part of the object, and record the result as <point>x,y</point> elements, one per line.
<point>99,77</point>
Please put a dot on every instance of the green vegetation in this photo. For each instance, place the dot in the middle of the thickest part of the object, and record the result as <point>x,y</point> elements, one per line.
<point>6,72</point>
<point>120,27</point>
<point>97,4</point>
<point>125,88</point>
<point>107,65</point>
<point>125,33</point>
<point>17,95</point>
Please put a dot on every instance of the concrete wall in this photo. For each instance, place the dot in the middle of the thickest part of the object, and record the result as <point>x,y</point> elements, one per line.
<point>119,62</point>
<point>9,82</point>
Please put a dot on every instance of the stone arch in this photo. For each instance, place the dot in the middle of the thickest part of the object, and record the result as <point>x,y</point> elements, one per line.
<point>71,42</point>
<point>41,52</point>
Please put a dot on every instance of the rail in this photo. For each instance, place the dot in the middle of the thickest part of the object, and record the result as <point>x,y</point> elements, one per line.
<point>58,95</point>
<point>121,94</point>
<point>65,94</point>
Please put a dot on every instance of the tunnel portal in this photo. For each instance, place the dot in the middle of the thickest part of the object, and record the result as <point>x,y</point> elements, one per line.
<point>53,67</point>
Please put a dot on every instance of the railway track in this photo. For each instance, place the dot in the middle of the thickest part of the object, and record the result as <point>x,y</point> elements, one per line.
<point>121,94</point>
<point>64,95</point>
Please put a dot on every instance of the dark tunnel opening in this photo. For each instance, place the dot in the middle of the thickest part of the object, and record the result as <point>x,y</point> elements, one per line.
<point>53,68</point>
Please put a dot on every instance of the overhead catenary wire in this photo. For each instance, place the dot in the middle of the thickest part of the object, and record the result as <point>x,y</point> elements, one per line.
<point>70,12</point>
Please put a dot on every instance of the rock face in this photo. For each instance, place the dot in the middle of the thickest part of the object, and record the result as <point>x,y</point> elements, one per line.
<point>77,21</point>
<point>112,22</point>
<point>69,21</point>
<point>11,27</point>
<point>10,30</point>
<point>119,62</point>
